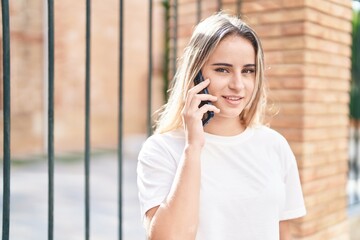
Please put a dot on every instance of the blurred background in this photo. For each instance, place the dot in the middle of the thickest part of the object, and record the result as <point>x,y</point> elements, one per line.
<point>312,69</point>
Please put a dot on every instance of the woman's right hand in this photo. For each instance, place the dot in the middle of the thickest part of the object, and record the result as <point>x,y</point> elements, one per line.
<point>192,115</point>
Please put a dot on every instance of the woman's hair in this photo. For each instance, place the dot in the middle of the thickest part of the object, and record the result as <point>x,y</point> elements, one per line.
<point>205,38</point>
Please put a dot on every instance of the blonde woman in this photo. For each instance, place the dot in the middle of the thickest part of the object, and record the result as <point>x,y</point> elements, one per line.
<point>232,178</point>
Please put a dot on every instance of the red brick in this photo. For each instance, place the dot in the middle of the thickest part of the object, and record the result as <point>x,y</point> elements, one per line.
<point>327,46</point>
<point>313,173</point>
<point>326,58</point>
<point>281,16</point>
<point>328,20</point>
<point>284,43</point>
<point>313,159</point>
<point>322,210</point>
<point>325,146</point>
<point>319,31</point>
<point>334,84</point>
<point>323,197</point>
<point>325,133</point>
<point>263,6</point>
<point>286,29</point>
<point>342,3</point>
<point>325,6</point>
<point>187,10</point>
<point>281,56</point>
<point>323,108</point>
<point>284,82</point>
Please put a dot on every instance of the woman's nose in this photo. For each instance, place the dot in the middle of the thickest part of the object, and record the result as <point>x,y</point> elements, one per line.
<point>237,82</point>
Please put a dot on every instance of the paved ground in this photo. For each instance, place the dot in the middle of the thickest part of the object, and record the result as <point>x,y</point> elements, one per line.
<point>29,200</point>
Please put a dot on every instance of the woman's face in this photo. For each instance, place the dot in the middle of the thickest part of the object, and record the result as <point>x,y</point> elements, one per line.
<point>231,70</point>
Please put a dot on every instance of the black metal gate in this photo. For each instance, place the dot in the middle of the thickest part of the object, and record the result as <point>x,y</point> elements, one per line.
<point>171,15</point>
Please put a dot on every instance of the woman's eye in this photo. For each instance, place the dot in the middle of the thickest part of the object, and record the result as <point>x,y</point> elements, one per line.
<point>248,71</point>
<point>222,70</point>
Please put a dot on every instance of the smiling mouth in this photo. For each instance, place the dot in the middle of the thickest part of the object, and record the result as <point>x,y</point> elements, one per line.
<point>233,98</point>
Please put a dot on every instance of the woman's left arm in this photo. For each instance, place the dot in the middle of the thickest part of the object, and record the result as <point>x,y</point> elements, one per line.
<point>285,230</point>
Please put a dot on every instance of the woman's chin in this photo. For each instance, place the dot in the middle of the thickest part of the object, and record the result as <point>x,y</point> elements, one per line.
<point>227,115</point>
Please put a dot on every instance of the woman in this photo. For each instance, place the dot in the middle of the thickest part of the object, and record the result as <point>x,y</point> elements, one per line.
<point>232,178</point>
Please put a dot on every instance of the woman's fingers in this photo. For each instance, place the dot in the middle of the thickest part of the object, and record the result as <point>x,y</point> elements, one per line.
<point>197,88</point>
<point>192,112</point>
<point>194,92</point>
<point>192,105</point>
<point>198,98</point>
<point>208,107</point>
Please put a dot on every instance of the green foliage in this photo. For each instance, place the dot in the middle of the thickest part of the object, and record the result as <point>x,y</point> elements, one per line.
<point>355,70</point>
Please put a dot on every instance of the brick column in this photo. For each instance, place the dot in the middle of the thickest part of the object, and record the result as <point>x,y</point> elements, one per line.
<point>307,49</point>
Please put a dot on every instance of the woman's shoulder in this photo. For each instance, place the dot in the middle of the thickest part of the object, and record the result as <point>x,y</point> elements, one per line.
<point>163,141</point>
<point>276,141</point>
<point>170,136</point>
<point>268,133</point>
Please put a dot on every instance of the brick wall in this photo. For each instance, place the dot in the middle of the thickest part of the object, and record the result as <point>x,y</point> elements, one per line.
<point>29,64</point>
<point>26,77</point>
<point>70,66</point>
<point>307,49</point>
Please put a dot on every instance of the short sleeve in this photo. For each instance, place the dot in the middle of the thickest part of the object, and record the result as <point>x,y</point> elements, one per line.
<point>294,206</point>
<point>155,173</point>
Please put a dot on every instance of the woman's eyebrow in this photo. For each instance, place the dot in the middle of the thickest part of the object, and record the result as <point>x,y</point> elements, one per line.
<point>222,64</point>
<point>230,65</point>
<point>249,65</point>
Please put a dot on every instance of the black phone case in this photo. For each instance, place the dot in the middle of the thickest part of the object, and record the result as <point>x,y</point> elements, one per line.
<point>209,114</point>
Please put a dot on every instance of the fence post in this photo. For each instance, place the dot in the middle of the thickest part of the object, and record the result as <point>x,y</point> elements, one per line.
<point>120,123</point>
<point>87,119</point>
<point>51,120</point>
<point>150,68</point>
<point>6,90</point>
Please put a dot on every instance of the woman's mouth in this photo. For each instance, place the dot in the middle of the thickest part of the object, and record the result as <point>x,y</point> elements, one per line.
<point>233,100</point>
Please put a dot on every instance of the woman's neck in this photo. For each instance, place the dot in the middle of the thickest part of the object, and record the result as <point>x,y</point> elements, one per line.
<point>225,126</point>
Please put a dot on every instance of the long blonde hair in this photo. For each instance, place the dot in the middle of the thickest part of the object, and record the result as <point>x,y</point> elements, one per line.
<point>205,38</point>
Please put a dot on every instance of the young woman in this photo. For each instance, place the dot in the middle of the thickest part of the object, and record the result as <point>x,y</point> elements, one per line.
<point>232,178</point>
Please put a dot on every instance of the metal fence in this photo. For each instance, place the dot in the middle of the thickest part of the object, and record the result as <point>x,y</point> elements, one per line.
<point>50,152</point>
<point>173,16</point>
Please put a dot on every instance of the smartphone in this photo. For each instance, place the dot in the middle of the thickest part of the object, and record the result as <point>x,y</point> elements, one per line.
<point>209,114</point>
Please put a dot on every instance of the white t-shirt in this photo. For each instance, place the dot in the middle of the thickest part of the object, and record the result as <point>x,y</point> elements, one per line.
<point>249,182</point>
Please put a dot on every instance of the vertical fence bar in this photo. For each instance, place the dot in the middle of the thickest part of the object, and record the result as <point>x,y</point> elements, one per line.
<point>149,89</point>
<point>238,7</point>
<point>51,120</point>
<point>6,101</point>
<point>198,10</point>
<point>356,162</point>
<point>219,5</point>
<point>166,61</point>
<point>120,123</point>
<point>87,120</point>
<point>175,35</point>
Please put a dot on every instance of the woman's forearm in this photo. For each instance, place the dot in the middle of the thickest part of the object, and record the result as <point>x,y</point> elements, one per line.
<point>177,217</point>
